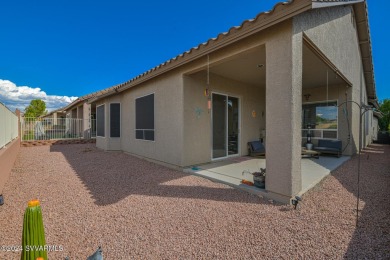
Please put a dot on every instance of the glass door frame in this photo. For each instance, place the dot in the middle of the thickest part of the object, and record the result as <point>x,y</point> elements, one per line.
<point>227,127</point>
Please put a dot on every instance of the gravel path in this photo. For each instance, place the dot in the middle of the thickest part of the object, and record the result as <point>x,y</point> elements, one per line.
<point>136,209</point>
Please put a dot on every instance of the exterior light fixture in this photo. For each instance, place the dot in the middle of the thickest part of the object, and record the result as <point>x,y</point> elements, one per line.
<point>295,201</point>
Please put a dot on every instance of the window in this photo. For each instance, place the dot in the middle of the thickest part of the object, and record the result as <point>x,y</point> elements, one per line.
<point>100,120</point>
<point>144,118</point>
<point>322,117</point>
<point>115,118</point>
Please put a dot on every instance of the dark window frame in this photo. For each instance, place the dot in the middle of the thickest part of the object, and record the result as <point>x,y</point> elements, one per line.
<point>145,126</point>
<point>98,128</point>
<point>115,131</point>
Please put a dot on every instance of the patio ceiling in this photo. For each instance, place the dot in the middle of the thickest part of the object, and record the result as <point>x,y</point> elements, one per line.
<point>244,67</point>
<point>316,71</point>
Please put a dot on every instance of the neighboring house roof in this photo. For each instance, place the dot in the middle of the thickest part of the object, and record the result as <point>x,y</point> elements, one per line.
<point>85,98</point>
<point>280,12</point>
<point>60,110</point>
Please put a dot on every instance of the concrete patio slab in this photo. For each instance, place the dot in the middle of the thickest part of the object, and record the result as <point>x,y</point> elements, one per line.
<point>233,170</point>
<point>314,170</point>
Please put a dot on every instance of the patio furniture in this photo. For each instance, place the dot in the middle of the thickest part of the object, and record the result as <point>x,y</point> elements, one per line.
<point>309,153</point>
<point>329,146</point>
<point>256,148</point>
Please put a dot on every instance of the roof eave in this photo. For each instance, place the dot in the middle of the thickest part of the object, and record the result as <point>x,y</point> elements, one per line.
<point>96,98</point>
<point>363,29</point>
<point>72,104</point>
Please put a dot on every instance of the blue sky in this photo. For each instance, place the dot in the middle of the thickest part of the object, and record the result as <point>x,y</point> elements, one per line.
<point>59,50</point>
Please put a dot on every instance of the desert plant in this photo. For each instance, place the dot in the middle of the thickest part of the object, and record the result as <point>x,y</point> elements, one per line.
<point>33,237</point>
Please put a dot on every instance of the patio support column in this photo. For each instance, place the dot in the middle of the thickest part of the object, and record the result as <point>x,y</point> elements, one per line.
<point>86,120</point>
<point>283,114</point>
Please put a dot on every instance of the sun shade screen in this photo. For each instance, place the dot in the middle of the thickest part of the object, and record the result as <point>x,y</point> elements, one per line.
<point>115,126</point>
<point>144,122</point>
<point>100,120</point>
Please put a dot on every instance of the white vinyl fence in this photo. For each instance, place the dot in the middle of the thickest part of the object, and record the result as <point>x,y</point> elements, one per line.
<point>8,126</point>
<point>57,128</point>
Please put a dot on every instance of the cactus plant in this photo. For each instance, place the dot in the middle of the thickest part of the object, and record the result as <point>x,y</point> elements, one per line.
<point>33,237</point>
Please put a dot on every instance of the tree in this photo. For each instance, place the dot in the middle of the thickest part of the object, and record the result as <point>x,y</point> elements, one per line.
<point>384,122</point>
<point>36,108</point>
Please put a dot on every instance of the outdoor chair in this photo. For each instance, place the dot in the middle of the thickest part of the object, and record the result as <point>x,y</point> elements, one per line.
<point>329,146</point>
<point>256,148</point>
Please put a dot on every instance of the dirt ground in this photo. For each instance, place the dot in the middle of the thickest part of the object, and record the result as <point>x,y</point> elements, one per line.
<point>135,209</point>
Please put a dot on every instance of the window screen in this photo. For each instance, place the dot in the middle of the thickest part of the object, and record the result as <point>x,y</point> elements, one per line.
<point>115,124</point>
<point>100,120</point>
<point>144,117</point>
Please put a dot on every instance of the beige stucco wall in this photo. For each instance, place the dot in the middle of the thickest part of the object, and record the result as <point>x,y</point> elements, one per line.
<point>168,114</point>
<point>375,128</point>
<point>368,131</point>
<point>109,143</point>
<point>183,135</point>
<point>183,138</point>
<point>102,141</point>
<point>86,109</point>
<point>369,134</point>
<point>333,31</point>
<point>8,157</point>
<point>283,111</point>
<point>197,118</point>
<point>80,111</point>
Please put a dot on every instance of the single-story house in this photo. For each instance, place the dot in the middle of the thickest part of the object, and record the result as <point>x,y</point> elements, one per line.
<point>271,78</point>
<point>56,116</point>
<point>81,115</point>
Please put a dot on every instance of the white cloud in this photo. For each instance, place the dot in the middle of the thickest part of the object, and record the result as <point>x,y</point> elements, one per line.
<point>19,97</point>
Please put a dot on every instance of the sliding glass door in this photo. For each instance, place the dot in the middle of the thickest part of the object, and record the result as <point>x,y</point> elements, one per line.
<point>225,114</point>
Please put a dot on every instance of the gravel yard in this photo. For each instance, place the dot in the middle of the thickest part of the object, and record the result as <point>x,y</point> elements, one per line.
<point>136,209</point>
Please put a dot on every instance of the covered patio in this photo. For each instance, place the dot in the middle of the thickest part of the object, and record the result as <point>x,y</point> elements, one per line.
<point>256,94</point>
<point>233,170</point>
